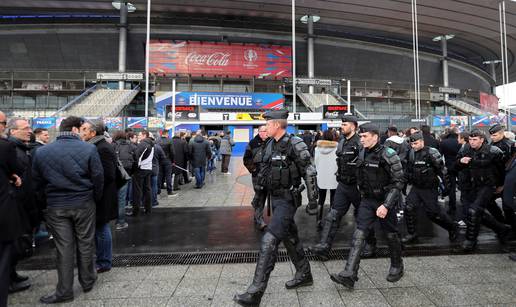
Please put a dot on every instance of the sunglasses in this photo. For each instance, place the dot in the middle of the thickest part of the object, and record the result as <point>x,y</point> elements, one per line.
<point>3,123</point>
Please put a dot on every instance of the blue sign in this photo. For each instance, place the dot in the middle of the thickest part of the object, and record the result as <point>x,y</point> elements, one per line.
<point>209,100</point>
<point>137,122</point>
<point>44,122</point>
<point>441,121</point>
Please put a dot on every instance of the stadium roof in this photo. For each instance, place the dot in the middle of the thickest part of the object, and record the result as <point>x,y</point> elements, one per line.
<point>475,23</point>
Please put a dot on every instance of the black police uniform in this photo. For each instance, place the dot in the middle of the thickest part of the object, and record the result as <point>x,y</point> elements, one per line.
<point>479,179</point>
<point>346,194</point>
<point>380,180</point>
<point>507,147</point>
<point>423,169</point>
<point>253,157</point>
<point>285,162</point>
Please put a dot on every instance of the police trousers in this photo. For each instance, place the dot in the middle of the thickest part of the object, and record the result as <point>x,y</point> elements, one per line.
<point>366,217</point>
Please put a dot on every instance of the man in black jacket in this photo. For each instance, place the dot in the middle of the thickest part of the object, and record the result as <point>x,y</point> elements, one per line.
<point>19,135</point>
<point>165,167</point>
<point>200,152</point>
<point>449,148</point>
<point>180,159</point>
<point>142,188</point>
<point>107,208</point>
<point>430,141</point>
<point>252,158</point>
<point>9,217</point>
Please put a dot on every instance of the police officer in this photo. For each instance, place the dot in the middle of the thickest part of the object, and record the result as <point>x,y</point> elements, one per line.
<point>380,180</point>
<point>285,161</point>
<point>424,167</point>
<point>499,140</point>
<point>347,191</point>
<point>252,161</point>
<point>483,166</point>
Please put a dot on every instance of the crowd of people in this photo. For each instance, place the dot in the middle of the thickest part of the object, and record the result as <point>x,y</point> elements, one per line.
<point>71,189</point>
<point>384,176</point>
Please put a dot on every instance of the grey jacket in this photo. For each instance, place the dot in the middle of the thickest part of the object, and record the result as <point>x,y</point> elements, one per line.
<point>226,145</point>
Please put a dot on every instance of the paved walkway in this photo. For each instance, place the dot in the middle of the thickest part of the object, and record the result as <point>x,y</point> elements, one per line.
<point>472,280</point>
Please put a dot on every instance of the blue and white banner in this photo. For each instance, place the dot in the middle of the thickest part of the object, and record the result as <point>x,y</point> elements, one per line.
<point>212,100</point>
<point>44,122</point>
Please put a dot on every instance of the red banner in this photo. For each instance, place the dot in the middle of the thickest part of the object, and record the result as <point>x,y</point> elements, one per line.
<point>220,59</point>
<point>489,103</point>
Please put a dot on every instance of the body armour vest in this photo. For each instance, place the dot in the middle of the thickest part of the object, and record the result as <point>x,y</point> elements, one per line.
<point>279,168</point>
<point>373,173</point>
<point>482,169</point>
<point>347,155</point>
<point>421,171</point>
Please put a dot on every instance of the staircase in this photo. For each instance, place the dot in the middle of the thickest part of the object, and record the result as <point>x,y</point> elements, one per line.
<point>101,103</point>
<point>315,101</point>
<point>466,106</point>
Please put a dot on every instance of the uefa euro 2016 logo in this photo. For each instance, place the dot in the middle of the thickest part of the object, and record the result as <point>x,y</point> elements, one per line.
<point>250,55</point>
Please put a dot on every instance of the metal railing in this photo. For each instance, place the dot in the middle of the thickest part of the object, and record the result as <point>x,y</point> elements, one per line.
<point>78,99</point>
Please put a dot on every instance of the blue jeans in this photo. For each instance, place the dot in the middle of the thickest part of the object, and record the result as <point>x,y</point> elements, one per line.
<point>122,201</point>
<point>211,165</point>
<point>154,185</point>
<point>129,193</point>
<point>104,245</point>
<point>199,173</point>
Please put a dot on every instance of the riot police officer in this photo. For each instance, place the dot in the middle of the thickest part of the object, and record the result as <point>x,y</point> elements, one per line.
<point>285,161</point>
<point>380,180</point>
<point>482,165</point>
<point>424,167</point>
<point>347,191</point>
<point>507,147</point>
<point>252,161</point>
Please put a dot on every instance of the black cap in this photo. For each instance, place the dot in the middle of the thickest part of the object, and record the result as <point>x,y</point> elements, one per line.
<point>477,133</point>
<point>496,128</point>
<point>392,128</point>
<point>416,136</point>
<point>276,114</point>
<point>369,127</point>
<point>348,118</point>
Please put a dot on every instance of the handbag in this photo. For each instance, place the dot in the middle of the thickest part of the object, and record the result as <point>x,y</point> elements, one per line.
<point>122,177</point>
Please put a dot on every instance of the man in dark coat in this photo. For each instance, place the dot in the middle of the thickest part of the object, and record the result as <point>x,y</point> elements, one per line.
<point>9,217</point>
<point>70,173</point>
<point>107,208</point>
<point>142,187</point>
<point>200,152</point>
<point>449,148</point>
<point>165,167</point>
<point>180,159</point>
<point>20,131</point>
<point>429,140</point>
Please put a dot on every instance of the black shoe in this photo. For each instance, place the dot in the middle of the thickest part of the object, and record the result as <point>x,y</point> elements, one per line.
<point>321,250</point>
<point>409,238</point>
<point>18,287</point>
<point>17,278</point>
<point>248,299</point>
<point>469,246</point>
<point>303,281</point>
<point>346,281</point>
<point>53,299</point>
<point>395,274</point>
<point>453,233</point>
<point>103,270</point>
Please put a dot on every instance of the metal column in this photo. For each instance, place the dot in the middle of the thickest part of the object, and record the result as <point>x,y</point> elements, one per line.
<point>444,47</point>
<point>310,23</point>
<point>122,42</point>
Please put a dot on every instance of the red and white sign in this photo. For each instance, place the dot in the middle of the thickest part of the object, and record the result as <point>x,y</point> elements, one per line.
<point>489,103</point>
<point>220,59</point>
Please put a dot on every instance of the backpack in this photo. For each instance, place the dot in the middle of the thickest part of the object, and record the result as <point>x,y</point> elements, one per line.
<point>125,153</point>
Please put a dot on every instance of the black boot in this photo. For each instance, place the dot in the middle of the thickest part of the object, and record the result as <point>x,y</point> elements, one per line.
<point>17,278</point>
<point>264,267</point>
<point>349,276</point>
<point>447,223</point>
<point>410,220</point>
<point>473,227</point>
<point>303,276</point>
<point>502,231</point>
<point>370,246</point>
<point>331,225</point>
<point>396,269</point>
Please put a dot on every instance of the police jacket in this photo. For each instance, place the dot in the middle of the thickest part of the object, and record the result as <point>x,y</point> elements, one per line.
<point>347,155</point>
<point>285,162</point>
<point>424,167</point>
<point>485,168</point>
<point>507,147</point>
<point>400,145</point>
<point>380,174</point>
<point>252,154</point>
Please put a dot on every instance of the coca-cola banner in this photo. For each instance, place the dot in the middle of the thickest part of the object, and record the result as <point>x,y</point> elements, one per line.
<point>220,59</point>
<point>488,102</point>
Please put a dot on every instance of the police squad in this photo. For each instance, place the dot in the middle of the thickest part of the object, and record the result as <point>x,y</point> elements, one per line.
<point>381,182</point>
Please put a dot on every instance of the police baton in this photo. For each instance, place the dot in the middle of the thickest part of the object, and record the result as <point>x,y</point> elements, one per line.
<point>180,168</point>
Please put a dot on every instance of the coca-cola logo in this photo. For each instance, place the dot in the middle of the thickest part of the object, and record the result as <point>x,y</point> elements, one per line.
<point>210,59</point>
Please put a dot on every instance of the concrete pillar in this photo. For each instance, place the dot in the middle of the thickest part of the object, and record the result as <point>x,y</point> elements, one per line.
<point>311,73</point>
<point>122,42</point>
<point>444,47</point>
